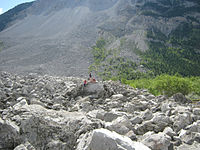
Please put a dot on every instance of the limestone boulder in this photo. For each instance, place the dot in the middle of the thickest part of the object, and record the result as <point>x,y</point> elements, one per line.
<point>169,131</point>
<point>103,139</point>
<point>46,128</point>
<point>158,141</point>
<point>195,127</point>
<point>9,135</point>
<point>94,89</point>
<point>136,120</point>
<point>147,115</point>
<point>180,98</point>
<point>121,125</point>
<point>181,121</point>
<point>25,146</point>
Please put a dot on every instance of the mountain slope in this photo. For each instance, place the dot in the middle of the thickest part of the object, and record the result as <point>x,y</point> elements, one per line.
<point>56,37</point>
<point>12,15</point>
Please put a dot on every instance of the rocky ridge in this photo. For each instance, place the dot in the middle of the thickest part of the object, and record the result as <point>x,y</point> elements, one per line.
<point>46,112</point>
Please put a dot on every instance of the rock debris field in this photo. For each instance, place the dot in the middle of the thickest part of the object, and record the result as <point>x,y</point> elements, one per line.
<point>58,113</point>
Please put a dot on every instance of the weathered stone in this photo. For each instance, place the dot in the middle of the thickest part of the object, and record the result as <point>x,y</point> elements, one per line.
<point>180,98</point>
<point>57,145</point>
<point>195,127</point>
<point>136,120</point>
<point>129,107</point>
<point>169,131</point>
<point>117,96</point>
<point>181,121</point>
<point>102,139</point>
<point>147,115</point>
<point>131,135</point>
<point>142,97</point>
<point>144,127</point>
<point>98,113</point>
<point>20,147</point>
<point>165,107</point>
<point>140,106</point>
<point>121,125</point>
<point>177,141</point>
<point>42,126</point>
<point>186,136</point>
<point>110,116</point>
<point>9,134</point>
<point>197,137</point>
<point>94,89</point>
<point>161,121</point>
<point>158,141</point>
<point>21,106</point>
<point>196,111</point>
<point>25,146</point>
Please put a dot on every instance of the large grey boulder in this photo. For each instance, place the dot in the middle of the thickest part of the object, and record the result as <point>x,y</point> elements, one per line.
<point>121,125</point>
<point>95,89</point>
<point>158,141</point>
<point>102,139</point>
<point>46,128</point>
<point>147,115</point>
<point>181,121</point>
<point>169,131</point>
<point>180,98</point>
<point>136,120</point>
<point>25,146</point>
<point>9,135</point>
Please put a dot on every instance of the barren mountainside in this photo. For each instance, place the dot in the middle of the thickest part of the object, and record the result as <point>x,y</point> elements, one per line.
<point>56,37</point>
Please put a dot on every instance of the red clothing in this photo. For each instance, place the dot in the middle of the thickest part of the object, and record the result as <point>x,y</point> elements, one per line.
<point>85,82</point>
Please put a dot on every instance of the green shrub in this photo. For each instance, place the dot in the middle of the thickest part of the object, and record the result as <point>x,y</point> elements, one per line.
<point>167,85</point>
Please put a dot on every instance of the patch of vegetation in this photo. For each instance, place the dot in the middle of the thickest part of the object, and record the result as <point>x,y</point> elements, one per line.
<point>179,53</point>
<point>149,13</point>
<point>168,8</point>
<point>168,85</point>
<point>109,65</point>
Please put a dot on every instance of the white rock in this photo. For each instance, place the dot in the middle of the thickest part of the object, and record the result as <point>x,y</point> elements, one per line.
<point>102,139</point>
<point>21,106</point>
<point>169,131</point>
<point>117,96</point>
<point>20,147</point>
<point>20,99</point>
<point>25,146</point>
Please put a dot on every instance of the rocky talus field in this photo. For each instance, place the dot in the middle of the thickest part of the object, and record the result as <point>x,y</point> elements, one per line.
<point>58,113</point>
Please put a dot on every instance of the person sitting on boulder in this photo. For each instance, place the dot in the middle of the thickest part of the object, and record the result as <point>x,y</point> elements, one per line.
<point>84,83</point>
<point>90,75</point>
<point>93,80</point>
